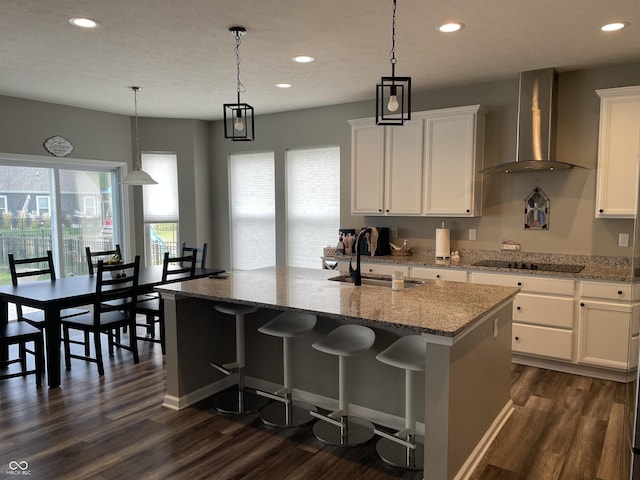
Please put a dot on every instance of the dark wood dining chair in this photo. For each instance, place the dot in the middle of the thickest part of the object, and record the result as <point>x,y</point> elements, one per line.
<point>36,268</point>
<point>201,253</point>
<point>20,334</point>
<point>113,308</point>
<point>94,257</point>
<point>172,268</point>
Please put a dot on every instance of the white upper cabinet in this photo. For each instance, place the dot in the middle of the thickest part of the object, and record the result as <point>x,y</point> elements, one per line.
<point>403,172</point>
<point>367,167</point>
<point>426,167</point>
<point>386,168</point>
<point>618,150</point>
<point>454,143</point>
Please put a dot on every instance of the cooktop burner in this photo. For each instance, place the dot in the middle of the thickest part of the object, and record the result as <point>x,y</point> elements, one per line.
<point>543,267</point>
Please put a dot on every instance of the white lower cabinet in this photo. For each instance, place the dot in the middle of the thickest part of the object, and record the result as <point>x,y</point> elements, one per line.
<point>542,341</point>
<point>543,313</point>
<point>608,325</point>
<point>373,268</point>
<point>446,274</point>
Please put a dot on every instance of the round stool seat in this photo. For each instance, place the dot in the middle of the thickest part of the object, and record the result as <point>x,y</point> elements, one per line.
<point>346,341</point>
<point>407,353</point>
<point>289,324</point>
<point>234,308</point>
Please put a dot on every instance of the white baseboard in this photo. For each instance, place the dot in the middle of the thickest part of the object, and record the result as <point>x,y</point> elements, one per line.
<point>178,403</point>
<point>379,418</point>
<point>573,368</point>
<point>481,448</point>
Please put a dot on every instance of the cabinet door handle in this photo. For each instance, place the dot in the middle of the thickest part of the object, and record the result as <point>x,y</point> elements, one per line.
<point>371,270</point>
<point>380,210</point>
<point>517,338</point>
<point>438,276</point>
<point>619,292</point>
<point>518,308</point>
<point>601,210</point>
<point>387,210</point>
<point>582,304</point>
<point>519,284</point>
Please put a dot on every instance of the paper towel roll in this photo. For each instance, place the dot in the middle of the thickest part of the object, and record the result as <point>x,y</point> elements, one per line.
<point>443,247</point>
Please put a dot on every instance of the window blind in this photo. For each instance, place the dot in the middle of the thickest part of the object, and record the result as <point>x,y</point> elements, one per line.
<point>313,204</point>
<point>160,202</point>
<point>252,210</point>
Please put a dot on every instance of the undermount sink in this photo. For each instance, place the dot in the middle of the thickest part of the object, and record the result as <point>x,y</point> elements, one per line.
<point>377,280</point>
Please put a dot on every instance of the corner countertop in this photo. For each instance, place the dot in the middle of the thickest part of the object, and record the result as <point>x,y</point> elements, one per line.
<point>595,268</point>
<point>436,307</point>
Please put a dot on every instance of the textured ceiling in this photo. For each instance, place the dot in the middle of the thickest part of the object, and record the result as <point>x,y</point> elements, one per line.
<point>181,54</point>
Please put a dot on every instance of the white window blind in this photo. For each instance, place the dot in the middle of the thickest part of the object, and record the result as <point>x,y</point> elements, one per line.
<point>252,210</point>
<point>313,204</point>
<point>160,202</point>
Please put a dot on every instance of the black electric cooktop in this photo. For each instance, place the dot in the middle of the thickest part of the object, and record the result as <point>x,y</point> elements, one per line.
<point>542,267</point>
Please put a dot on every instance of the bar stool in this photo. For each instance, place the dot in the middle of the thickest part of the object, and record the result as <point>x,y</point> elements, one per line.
<point>339,428</point>
<point>285,412</point>
<point>401,449</point>
<point>230,401</point>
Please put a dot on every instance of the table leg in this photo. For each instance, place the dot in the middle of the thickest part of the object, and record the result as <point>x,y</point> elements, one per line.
<point>52,344</point>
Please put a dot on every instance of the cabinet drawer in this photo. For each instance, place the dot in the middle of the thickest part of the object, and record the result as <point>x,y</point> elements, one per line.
<point>543,310</point>
<point>527,283</point>
<point>378,269</point>
<point>439,274</point>
<point>606,290</point>
<point>542,341</point>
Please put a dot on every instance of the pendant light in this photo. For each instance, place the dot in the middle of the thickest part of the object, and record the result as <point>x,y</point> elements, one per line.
<point>393,94</point>
<point>137,176</point>
<point>238,117</point>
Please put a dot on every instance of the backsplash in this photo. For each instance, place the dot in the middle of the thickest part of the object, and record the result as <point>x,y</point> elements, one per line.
<point>474,255</point>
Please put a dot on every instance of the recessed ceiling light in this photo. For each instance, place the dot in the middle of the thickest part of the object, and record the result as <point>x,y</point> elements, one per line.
<point>283,85</point>
<point>614,26</point>
<point>84,22</point>
<point>303,59</point>
<point>451,27</point>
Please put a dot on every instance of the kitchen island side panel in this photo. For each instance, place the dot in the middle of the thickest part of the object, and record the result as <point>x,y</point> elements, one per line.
<point>466,391</point>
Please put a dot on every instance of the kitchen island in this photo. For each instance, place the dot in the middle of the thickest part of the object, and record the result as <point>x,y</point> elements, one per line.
<point>467,331</point>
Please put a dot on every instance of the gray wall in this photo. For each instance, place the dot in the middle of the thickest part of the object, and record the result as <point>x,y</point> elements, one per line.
<point>203,152</point>
<point>26,124</point>
<point>573,228</point>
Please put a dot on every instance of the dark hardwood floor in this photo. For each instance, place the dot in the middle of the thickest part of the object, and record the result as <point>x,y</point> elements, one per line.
<point>563,427</point>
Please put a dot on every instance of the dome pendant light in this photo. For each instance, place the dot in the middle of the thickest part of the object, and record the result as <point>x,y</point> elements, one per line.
<point>137,176</point>
<point>238,117</point>
<point>393,94</point>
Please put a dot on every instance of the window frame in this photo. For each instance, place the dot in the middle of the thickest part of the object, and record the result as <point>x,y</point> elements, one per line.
<point>121,200</point>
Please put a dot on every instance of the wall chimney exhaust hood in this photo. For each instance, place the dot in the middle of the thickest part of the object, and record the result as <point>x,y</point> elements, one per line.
<point>536,137</point>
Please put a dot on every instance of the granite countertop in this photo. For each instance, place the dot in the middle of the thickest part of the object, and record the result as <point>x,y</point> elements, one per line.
<point>595,268</point>
<point>437,307</point>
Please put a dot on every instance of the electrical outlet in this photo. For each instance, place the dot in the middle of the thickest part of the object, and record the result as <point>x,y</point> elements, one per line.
<point>472,234</point>
<point>623,239</point>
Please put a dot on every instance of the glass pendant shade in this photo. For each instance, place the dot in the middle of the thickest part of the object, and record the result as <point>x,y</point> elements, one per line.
<point>238,122</point>
<point>393,101</point>
<point>138,177</point>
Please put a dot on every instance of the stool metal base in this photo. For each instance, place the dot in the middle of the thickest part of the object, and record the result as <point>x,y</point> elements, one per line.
<point>400,456</point>
<point>229,402</point>
<point>275,414</point>
<point>356,432</point>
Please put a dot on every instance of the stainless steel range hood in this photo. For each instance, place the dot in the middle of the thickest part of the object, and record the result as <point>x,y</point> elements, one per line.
<point>536,136</point>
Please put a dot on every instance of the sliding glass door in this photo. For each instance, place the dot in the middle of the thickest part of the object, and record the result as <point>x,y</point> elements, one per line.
<point>59,208</point>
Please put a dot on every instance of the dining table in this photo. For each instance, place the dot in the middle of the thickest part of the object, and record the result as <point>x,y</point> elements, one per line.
<point>68,292</point>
